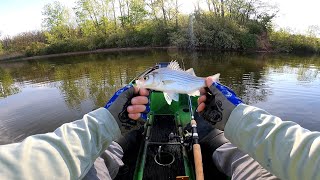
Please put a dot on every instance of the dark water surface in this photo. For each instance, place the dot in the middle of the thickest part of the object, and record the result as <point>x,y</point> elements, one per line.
<point>37,96</point>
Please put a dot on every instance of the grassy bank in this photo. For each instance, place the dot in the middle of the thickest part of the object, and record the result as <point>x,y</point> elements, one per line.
<point>240,25</point>
<point>20,57</point>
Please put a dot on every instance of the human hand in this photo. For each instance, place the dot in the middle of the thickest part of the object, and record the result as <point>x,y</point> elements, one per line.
<point>210,138</point>
<point>129,103</point>
<point>216,103</point>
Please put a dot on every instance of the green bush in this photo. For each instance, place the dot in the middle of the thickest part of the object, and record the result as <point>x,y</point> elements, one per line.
<point>248,41</point>
<point>179,39</point>
<point>1,48</point>
<point>283,41</point>
<point>216,32</point>
<point>64,46</point>
<point>35,48</point>
<point>209,31</point>
<point>254,27</point>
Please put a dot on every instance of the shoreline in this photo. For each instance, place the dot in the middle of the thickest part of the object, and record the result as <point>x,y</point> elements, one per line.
<point>24,58</point>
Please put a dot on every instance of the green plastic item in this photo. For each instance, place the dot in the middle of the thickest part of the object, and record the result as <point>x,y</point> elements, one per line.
<point>180,109</point>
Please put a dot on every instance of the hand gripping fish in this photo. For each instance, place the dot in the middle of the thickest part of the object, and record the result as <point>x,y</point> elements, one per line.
<point>172,81</point>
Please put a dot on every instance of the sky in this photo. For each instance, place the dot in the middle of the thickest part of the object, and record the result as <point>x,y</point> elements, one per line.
<point>18,16</point>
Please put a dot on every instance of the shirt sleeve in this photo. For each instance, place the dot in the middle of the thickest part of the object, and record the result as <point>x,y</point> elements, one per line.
<point>284,148</point>
<point>67,153</point>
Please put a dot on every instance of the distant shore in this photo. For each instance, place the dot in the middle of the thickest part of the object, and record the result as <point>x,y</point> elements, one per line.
<point>20,57</point>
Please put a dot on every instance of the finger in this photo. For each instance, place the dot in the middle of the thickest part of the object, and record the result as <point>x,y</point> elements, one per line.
<point>203,91</point>
<point>209,81</point>
<point>201,107</point>
<point>201,99</point>
<point>144,92</point>
<point>136,89</point>
<point>136,109</point>
<point>139,100</point>
<point>134,116</point>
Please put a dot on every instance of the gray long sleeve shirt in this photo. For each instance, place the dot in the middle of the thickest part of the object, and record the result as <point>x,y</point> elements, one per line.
<point>283,148</point>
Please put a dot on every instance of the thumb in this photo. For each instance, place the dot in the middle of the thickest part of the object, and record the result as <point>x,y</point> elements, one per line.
<point>211,79</point>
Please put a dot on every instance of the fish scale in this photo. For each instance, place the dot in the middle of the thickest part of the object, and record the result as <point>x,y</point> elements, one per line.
<point>184,77</point>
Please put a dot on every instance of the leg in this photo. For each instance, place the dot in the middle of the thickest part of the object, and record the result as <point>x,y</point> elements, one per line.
<point>238,165</point>
<point>107,165</point>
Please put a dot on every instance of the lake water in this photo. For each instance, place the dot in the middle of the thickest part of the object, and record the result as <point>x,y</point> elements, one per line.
<point>37,96</point>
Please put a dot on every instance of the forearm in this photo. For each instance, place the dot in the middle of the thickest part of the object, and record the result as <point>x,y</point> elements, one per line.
<point>67,153</point>
<point>283,148</point>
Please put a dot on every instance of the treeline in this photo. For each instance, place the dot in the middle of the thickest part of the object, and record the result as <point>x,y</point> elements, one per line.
<point>95,24</point>
<point>284,41</point>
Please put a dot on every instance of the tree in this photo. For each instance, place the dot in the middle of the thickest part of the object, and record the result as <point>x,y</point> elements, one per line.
<point>55,15</point>
<point>56,21</point>
<point>222,8</point>
<point>313,31</point>
<point>138,12</point>
<point>1,46</point>
<point>90,13</point>
<point>114,12</point>
<point>177,12</point>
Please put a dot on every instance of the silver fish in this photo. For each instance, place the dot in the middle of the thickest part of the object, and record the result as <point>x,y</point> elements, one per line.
<point>173,81</point>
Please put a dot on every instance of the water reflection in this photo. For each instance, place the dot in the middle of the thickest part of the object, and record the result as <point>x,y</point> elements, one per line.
<point>65,88</point>
<point>7,86</point>
<point>95,79</point>
<point>244,74</point>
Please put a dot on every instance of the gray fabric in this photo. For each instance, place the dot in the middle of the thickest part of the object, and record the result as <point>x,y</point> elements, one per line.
<point>218,108</point>
<point>238,165</point>
<point>117,106</point>
<point>107,165</point>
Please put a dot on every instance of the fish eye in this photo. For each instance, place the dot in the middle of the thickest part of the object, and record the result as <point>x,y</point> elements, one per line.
<point>146,78</point>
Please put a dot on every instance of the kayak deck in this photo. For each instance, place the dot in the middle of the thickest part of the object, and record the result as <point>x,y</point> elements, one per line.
<point>164,137</point>
<point>162,127</point>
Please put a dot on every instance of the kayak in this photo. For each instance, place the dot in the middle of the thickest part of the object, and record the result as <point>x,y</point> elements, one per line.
<point>166,149</point>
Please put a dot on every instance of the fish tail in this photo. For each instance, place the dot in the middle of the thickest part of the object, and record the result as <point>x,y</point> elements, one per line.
<point>215,77</point>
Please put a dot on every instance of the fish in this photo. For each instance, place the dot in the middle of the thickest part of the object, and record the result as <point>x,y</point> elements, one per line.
<point>172,81</point>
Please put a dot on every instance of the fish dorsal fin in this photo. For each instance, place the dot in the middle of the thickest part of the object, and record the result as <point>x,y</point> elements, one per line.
<point>174,65</point>
<point>170,96</point>
<point>191,71</point>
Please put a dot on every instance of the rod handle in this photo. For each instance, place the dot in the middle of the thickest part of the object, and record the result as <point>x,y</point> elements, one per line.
<point>198,161</point>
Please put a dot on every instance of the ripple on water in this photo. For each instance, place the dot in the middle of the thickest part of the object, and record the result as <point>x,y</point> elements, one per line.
<point>288,87</point>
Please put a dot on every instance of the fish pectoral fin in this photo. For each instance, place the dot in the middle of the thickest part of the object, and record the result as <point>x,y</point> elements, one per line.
<point>174,96</point>
<point>170,96</point>
<point>195,93</point>
<point>166,82</point>
<point>167,98</point>
<point>191,71</point>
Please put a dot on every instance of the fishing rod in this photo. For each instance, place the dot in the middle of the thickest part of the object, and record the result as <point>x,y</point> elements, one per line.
<point>196,146</point>
<point>195,138</point>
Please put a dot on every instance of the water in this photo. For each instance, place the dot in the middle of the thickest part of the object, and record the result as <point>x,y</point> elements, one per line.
<point>38,96</point>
